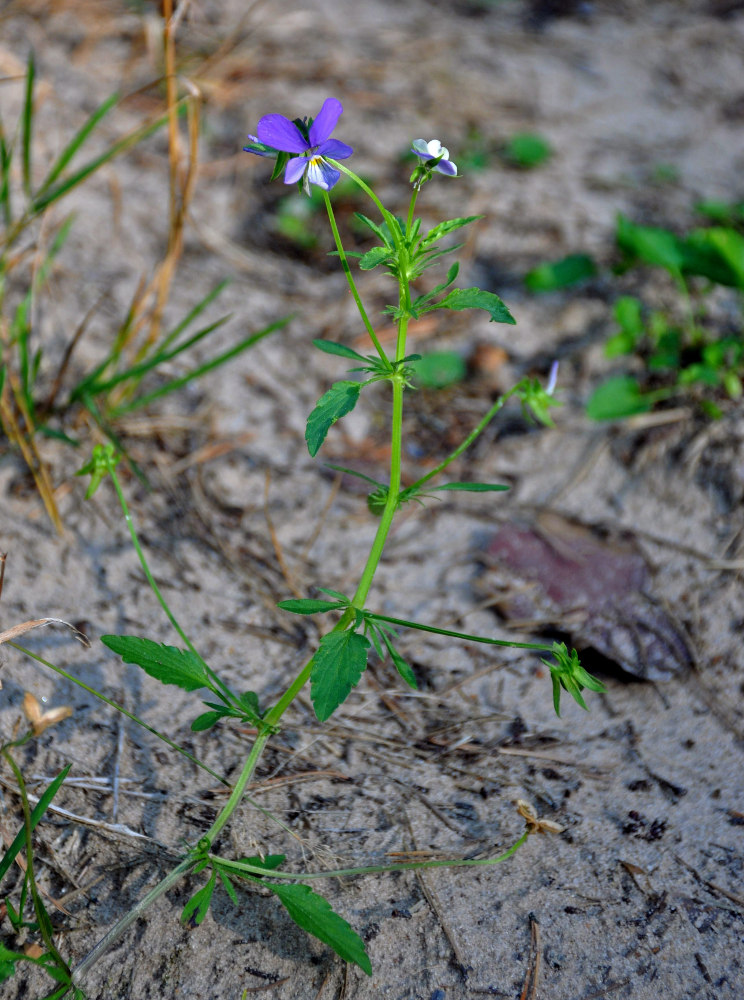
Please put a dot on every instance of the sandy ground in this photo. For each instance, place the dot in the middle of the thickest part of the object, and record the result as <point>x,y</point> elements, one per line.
<point>642,896</point>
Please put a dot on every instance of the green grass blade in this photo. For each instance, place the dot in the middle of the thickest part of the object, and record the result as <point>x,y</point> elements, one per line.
<point>38,811</point>
<point>76,142</point>
<point>209,366</point>
<point>6,158</point>
<point>28,116</point>
<point>55,193</point>
<point>191,316</point>
<point>90,387</point>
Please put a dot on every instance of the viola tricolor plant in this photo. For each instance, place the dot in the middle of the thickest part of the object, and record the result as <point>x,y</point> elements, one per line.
<point>306,154</point>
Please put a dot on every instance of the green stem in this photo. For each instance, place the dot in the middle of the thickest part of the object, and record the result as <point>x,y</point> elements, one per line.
<point>352,284</point>
<point>225,693</point>
<point>120,708</point>
<point>387,216</point>
<point>371,616</point>
<point>411,208</point>
<point>393,497</point>
<point>113,935</point>
<point>478,429</point>
<point>405,866</point>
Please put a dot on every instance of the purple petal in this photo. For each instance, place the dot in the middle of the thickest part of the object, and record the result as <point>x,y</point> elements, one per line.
<point>281,133</point>
<point>321,173</point>
<point>334,148</point>
<point>325,123</point>
<point>446,167</point>
<point>295,169</point>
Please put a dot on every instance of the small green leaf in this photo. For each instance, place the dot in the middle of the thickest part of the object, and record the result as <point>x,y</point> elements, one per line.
<point>618,397</point>
<point>205,721</point>
<point>473,487</point>
<point>340,399</point>
<point>313,914</point>
<point>249,701</point>
<point>167,664</point>
<point>475,298</point>
<point>229,888</point>
<point>563,273</point>
<point>379,231</point>
<point>197,907</point>
<point>401,665</point>
<point>308,606</point>
<point>331,347</point>
<point>351,472</point>
<point>374,257</point>
<point>526,150</point>
<point>337,666</point>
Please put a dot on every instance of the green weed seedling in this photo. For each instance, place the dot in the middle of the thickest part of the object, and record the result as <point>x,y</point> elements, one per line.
<point>526,150</point>
<point>685,351</point>
<point>40,395</point>
<point>306,155</point>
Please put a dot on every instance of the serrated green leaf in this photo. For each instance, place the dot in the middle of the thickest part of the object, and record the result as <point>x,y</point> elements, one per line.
<point>313,914</point>
<point>331,347</point>
<point>473,487</point>
<point>374,257</point>
<point>337,666</point>
<point>403,668</point>
<point>166,664</point>
<point>340,399</point>
<point>447,227</point>
<point>308,606</point>
<point>197,907</point>
<point>475,298</point>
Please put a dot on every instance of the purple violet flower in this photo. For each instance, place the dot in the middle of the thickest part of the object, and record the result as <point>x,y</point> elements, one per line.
<point>309,145</point>
<point>431,151</point>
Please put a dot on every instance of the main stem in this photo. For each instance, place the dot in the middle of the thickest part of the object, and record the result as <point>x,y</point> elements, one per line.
<point>273,716</point>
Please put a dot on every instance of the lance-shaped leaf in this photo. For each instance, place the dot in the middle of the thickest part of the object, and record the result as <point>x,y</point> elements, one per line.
<point>197,907</point>
<point>401,665</point>
<point>475,298</point>
<point>314,914</point>
<point>472,487</point>
<point>167,664</point>
<point>337,667</point>
<point>331,347</point>
<point>340,399</point>
<point>308,606</point>
<point>447,227</point>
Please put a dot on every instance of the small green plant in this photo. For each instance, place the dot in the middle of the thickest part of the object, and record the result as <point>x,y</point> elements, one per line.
<point>526,150</point>
<point>685,351</point>
<point>306,155</point>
